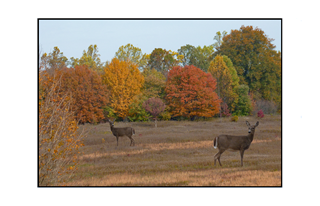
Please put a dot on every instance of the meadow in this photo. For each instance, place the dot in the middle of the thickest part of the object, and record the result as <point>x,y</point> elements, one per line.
<point>179,153</point>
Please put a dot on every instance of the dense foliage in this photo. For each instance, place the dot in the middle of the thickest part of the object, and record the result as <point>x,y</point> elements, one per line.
<point>124,81</point>
<point>191,93</point>
<point>257,63</point>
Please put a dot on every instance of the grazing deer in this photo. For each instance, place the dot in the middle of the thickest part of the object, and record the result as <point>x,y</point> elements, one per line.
<point>234,143</point>
<point>123,131</point>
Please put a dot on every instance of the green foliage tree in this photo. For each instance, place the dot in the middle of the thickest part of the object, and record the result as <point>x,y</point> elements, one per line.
<point>257,63</point>
<point>218,37</point>
<point>154,83</point>
<point>243,107</point>
<point>198,56</point>
<point>188,54</point>
<point>232,70</point>
<point>163,60</point>
<point>133,54</point>
<point>90,58</point>
<point>137,113</point>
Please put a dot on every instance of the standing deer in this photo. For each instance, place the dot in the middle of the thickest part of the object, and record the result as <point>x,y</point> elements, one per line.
<point>123,131</point>
<point>234,143</point>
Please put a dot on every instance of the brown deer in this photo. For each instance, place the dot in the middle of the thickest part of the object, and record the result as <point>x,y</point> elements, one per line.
<point>234,143</point>
<point>123,131</point>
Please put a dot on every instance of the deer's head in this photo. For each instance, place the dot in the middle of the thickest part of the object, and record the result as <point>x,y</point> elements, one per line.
<point>110,122</point>
<point>251,128</point>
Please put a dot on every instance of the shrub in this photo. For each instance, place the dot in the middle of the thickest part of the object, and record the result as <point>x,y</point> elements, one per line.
<point>235,118</point>
<point>59,138</point>
<point>165,116</point>
<point>224,110</point>
<point>136,111</point>
<point>260,113</point>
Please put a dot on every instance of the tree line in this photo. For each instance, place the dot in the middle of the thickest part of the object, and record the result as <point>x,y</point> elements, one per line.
<point>226,78</point>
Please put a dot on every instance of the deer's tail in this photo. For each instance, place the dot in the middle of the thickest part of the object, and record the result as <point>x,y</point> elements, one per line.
<point>215,142</point>
<point>133,132</point>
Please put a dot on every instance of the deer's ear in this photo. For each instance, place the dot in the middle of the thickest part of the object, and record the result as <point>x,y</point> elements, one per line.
<point>257,123</point>
<point>248,124</point>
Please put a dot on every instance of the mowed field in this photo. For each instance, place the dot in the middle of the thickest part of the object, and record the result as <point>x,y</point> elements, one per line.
<point>180,153</point>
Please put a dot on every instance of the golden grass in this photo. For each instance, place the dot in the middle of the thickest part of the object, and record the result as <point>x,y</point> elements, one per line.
<point>180,154</point>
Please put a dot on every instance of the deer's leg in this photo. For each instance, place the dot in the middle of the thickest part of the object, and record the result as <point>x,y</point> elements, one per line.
<point>241,154</point>
<point>221,151</point>
<point>117,140</point>
<point>217,156</point>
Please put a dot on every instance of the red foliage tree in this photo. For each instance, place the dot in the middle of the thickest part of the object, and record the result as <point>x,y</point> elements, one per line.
<point>191,92</point>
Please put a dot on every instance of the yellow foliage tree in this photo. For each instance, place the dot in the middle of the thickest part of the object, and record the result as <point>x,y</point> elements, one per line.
<point>124,81</point>
<point>221,73</point>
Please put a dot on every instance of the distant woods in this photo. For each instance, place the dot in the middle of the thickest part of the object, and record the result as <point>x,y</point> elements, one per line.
<point>230,77</point>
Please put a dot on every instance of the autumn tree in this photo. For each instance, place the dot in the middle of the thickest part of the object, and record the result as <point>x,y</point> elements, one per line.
<point>133,54</point>
<point>59,137</point>
<point>154,83</point>
<point>163,60</point>
<point>137,112</point>
<point>90,58</point>
<point>124,81</point>
<point>52,61</point>
<point>197,56</point>
<point>222,74</point>
<point>191,93</point>
<point>257,63</point>
<point>154,106</point>
<point>219,39</point>
<point>232,71</point>
<point>187,52</point>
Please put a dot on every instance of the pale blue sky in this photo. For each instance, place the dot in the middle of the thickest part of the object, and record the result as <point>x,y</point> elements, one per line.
<point>74,36</point>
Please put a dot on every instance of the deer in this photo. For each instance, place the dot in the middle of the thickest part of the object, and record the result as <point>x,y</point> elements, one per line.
<point>122,131</point>
<point>234,143</point>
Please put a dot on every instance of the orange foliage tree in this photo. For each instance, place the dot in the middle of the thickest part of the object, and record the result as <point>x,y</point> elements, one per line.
<point>191,93</point>
<point>88,93</point>
<point>124,81</point>
<point>59,138</point>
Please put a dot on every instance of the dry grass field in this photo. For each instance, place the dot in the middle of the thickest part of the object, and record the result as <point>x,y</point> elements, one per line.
<point>180,153</point>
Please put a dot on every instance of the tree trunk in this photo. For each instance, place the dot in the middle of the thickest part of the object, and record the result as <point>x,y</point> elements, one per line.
<point>155,122</point>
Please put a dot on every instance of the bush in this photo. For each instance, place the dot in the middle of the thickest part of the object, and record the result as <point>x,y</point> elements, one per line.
<point>224,110</point>
<point>136,111</point>
<point>260,113</point>
<point>165,116</point>
<point>235,118</point>
<point>59,138</point>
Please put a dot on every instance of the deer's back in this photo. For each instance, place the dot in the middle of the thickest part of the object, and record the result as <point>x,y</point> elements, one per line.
<point>122,131</point>
<point>233,142</point>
